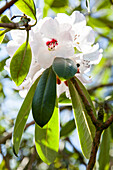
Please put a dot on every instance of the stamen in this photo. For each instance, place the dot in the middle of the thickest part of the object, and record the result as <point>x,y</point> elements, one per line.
<point>52,44</point>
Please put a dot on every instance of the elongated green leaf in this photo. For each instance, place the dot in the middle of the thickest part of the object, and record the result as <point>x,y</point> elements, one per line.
<point>22,117</point>
<point>84,125</point>
<point>86,94</point>
<point>47,139</point>
<point>20,63</point>
<point>44,98</point>
<point>104,156</point>
<point>68,128</point>
<point>27,7</point>
<point>64,68</point>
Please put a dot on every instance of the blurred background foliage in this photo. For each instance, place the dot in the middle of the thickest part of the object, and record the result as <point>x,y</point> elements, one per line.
<point>69,157</point>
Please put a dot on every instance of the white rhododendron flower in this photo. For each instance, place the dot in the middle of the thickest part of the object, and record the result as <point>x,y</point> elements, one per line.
<point>56,41</point>
<point>64,36</point>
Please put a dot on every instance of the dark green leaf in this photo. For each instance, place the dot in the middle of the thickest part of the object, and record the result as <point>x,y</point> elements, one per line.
<point>64,68</point>
<point>47,139</point>
<point>104,156</point>
<point>59,3</point>
<point>44,98</point>
<point>85,128</point>
<point>22,117</point>
<point>20,63</point>
<point>27,7</point>
<point>67,128</point>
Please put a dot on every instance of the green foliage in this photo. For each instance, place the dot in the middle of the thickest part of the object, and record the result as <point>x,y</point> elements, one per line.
<point>5,19</point>
<point>27,7</point>
<point>20,63</point>
<point>67,128</point>
<point>63,99</point>
<point>44,98</point>
<point>2,64</point>
<point>84,125</point>
<point>59,3</point>
<point>47,139</point>
<point>86,94</point>
<point>64,68</point>
<point>104,156</point>
<point>22,117</point>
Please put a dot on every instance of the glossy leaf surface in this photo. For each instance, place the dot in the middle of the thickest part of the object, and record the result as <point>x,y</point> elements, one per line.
<point>20,63</point>
<point>44,98</point>
<point>47,139</point>
<point>22,118</point>
<point>64,68</point>
<point>85,128</point>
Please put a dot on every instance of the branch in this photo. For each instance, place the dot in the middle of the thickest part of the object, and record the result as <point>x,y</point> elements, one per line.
<point>100,86</point>
<point>10,25</point>
<point>108,122</point>
<point>95,146</point>
<point>4,139</point>
<point>86,103</point>
<point>8,5</point>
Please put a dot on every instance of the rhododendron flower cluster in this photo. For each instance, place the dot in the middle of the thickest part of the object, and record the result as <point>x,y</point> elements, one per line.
<point>64,36</point>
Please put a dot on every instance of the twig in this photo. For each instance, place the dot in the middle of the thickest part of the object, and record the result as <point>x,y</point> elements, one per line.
<point>95,146</point>
<point>86,103</point>
<point>108,122</point>
<point>100,86</point>
<point>100,126</point>
<point>32,159</point>
<point>10,25</point>
<point>8,5</point>
<point>4,139</point>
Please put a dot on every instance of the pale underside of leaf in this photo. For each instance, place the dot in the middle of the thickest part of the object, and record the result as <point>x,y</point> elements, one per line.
<point>82,120</point>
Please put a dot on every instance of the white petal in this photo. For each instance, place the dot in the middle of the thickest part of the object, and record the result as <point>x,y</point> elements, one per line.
<point>65,37</point>
<point>38,74</point>
<point>61,89</point>
<point>23,93</point>
<point>34,68</point>
<point>86,36</point>
<point>78,19</point>
<point>19,36</point>
<point>65,50</point>
<point>36,43</point>
<point>50,28</point>
<point>94,55</point>
<point>45,57</point>
<point>84,79</point>
<point>64,18</point>
<point>12,47</point>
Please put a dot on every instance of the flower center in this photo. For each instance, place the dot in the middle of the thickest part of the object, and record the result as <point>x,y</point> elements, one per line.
<point>52,44</point>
